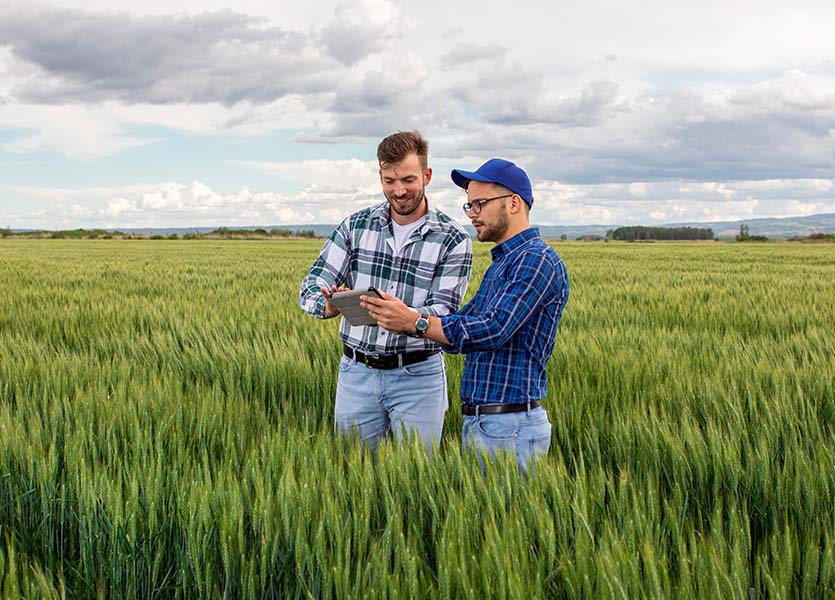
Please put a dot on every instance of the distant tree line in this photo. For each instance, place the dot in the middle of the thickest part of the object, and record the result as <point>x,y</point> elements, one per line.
<point>102,234</point>
<point>70,234</point>
<point>642,232</point>
<point>814,237</point>
<point>275,232</point>
<point>90,234</point>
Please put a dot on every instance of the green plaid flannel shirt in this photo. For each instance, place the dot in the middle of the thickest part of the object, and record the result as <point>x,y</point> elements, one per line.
<point>430,274</point>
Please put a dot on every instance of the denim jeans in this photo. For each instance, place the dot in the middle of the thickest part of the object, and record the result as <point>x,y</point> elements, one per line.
<point>525,434</point>
<point>376,401</point>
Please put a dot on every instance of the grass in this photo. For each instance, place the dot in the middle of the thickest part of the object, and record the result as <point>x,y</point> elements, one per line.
<point>166,431</point>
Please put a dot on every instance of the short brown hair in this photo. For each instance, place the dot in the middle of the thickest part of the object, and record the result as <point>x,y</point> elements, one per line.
<point>398,146</point>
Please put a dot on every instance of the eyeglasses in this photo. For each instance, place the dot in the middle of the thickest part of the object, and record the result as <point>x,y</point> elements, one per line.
<point>475,205</point>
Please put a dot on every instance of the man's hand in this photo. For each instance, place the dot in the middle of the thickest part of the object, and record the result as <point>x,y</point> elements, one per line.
<point>330,310</point>
<point>391,313</point>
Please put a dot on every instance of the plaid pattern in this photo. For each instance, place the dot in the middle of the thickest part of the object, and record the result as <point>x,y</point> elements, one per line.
<point>430,273</point>
<point>508,329</point>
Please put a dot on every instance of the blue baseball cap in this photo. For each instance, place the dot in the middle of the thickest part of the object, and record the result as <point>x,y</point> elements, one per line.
<point>501,171</point>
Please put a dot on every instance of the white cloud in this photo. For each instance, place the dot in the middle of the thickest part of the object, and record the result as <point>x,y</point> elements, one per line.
<point>802,187</point>
<point>90,132</point>
<point>666,202</point>
<point>196,204</point>
<point>709,189</point>
<point>795,90</point>
<point>185,204</point>
<point>461,54</point>
<point>117,207</point>
<point>336,176</point>
<point>638,189</point>
<point>194,197</point>
<point>80,133</point>
<point>361,28</point>
<point>795,208</point>
<point>243,119</point>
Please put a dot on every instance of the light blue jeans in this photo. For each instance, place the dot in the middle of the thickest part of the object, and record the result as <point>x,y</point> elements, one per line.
<point>524,434</point>
<point>376,401</point>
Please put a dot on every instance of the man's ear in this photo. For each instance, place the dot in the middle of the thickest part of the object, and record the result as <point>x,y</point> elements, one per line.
<point>516,203</point>
<point>427,175</point>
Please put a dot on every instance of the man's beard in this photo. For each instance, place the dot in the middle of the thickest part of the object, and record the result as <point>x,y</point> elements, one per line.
<point>410,207</point>
<point>496,231</point>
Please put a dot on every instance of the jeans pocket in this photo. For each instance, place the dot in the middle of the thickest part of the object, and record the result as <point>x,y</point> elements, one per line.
<point>345,363</point>
<point>430,366</point>
<point>498,427</point>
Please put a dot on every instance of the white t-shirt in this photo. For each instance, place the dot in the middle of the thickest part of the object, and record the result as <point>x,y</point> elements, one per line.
<point>404,232</point>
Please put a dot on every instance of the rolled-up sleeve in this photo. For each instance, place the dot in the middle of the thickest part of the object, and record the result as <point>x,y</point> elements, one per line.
<point>329,269</point>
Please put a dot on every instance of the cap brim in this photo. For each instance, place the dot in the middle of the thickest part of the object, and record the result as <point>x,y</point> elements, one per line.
<point>462,178</point>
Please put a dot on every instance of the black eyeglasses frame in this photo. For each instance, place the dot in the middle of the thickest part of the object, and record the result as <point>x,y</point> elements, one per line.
<point>475,205</point>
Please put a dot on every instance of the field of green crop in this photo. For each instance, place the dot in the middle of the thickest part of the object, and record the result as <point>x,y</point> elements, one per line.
<point>166,431</point>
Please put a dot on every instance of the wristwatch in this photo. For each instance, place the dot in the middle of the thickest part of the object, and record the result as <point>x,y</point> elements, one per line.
<point>421,325</point>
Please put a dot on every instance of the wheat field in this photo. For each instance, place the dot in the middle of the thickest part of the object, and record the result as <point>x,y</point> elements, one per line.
<point>166,430</point>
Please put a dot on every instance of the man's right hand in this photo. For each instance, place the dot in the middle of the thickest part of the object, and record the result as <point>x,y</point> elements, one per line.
<point>330,310</point>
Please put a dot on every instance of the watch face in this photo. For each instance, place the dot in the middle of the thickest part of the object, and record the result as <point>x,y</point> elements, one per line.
<point>422,324</point>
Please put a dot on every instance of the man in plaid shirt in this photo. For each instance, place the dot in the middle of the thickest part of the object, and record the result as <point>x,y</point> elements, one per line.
<point>508,329</point>
<point>405,247</point>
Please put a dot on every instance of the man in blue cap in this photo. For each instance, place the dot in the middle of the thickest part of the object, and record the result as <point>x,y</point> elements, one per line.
<point>508,329</point>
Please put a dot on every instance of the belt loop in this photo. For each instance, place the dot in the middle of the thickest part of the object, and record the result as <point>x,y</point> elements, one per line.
<point>476,412</point>
<point>400,356</point>
<point>529,408</point>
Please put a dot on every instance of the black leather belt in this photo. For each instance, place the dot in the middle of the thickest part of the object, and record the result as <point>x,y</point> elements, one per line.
<point>388,361</point>
<point>469,410</point>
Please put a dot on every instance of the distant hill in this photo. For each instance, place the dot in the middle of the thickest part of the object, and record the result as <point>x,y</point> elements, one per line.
<point>775,229</point>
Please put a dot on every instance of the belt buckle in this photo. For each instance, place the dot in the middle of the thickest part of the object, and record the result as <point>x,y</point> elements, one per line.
<point>369,358</point>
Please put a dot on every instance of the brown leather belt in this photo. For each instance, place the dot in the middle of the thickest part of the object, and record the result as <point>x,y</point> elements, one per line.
<point>469,410</point>
<point>388,361</point>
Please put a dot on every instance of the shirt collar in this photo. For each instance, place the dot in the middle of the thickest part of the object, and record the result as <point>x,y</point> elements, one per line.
<point>382,215</point>
<point>514,243</point>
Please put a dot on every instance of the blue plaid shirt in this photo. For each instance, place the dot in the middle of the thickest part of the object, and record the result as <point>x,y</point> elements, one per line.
<point>507,330</point>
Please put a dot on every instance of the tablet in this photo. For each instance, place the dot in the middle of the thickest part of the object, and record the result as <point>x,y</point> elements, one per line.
<point>348,304</point>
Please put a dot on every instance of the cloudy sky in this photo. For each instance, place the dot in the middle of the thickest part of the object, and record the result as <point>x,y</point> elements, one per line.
<point>134,114</point>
